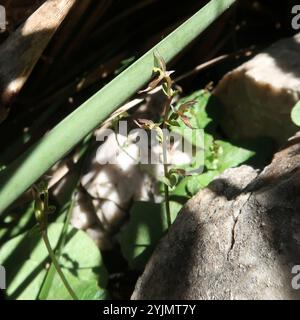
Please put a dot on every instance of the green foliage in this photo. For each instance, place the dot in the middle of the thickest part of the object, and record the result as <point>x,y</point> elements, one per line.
<point>68,133</point>
<point>219,155</point>
<point>85,289</point>
<point>26,258</point>
<point>31,274</point>
<point>147,224</point>
<point>295,115</point>
<point>200,112</point>
<point>16,222</point>
<point>189,186</point>
<point>224,155</point>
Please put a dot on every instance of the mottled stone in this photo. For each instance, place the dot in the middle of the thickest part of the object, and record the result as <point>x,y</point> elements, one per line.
<point>258,96</point>
<point>239,238</point>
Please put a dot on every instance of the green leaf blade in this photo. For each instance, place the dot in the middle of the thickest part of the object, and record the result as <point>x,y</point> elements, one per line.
<point>295,115</point>
<point>60,140</point>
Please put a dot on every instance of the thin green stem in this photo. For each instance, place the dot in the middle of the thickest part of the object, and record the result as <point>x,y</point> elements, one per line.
<point>167,203</point>
<point>45,288</point>
<point>47,283</point>
<point>165,159</point>
<point>66,224</point>
<point>57,266</point>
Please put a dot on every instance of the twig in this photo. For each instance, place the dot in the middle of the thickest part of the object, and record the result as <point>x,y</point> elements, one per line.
<point>210,63</point>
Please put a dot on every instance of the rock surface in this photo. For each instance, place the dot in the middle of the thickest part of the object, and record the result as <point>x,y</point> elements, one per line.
<point>237,239</point>
<point>258,96</point>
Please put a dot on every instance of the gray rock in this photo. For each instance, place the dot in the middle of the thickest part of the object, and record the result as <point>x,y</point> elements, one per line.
<point>258,96</point>
<point>237,239</point>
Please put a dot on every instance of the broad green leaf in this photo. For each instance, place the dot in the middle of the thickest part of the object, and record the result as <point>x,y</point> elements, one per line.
<point>263,149</point>
<point>204,113</point>
<point>295,115</point>
<point>85,289</point>
<point>181,188</point>
<point>197,112</point>
<point>196,183</point>
<point>26,258</point>
<point>145,228</point>
<point>189,186</point>
<point>225,155</point>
